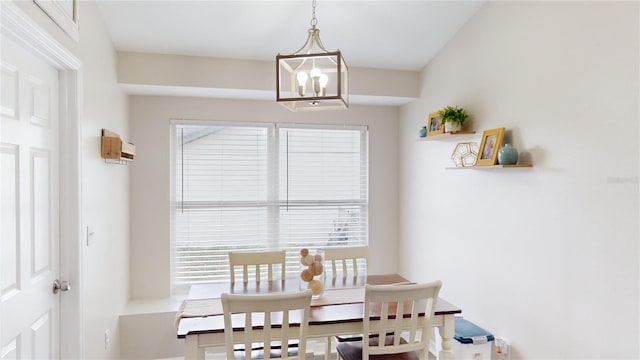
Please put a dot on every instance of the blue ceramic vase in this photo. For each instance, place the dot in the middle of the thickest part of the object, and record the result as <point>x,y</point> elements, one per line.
<point>423,131</point>
<point>508,155</point>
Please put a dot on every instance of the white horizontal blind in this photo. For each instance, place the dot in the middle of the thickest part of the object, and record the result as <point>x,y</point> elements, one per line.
<point>323,189</point>
<point>243,188</point>
<point>221,198</point>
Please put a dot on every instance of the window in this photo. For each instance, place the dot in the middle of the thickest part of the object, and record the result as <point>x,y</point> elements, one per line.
<point>241,187</point>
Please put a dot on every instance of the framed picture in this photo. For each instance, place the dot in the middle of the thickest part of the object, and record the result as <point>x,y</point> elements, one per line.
<point>491,141</point>
<point>434,124</point>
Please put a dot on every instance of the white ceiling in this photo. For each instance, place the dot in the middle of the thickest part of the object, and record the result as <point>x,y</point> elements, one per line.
<point>400,35</point>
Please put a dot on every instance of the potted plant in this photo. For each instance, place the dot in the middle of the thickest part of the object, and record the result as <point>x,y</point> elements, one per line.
<point>453,117</point>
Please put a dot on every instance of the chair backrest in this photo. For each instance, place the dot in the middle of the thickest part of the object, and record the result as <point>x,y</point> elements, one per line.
<point>256,260</point>
<point>344,260</point>
<point>267,319</point>
<point>406,309</point>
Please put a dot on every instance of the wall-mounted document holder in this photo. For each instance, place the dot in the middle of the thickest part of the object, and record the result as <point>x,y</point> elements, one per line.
<point>114,150</point>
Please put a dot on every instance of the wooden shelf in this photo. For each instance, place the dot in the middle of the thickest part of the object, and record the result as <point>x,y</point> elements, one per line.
<point>446,135</point>
<point>490,167</point>
<point>114,150</point>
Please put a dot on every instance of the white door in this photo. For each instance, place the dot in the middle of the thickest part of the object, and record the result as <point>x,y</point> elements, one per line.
<point>29,245</point>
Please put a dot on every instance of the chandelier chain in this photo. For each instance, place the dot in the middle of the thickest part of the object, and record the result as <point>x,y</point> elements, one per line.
<point>314,21</point>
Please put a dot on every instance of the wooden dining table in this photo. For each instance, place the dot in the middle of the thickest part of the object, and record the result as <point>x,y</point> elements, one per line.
<point>339,311</point>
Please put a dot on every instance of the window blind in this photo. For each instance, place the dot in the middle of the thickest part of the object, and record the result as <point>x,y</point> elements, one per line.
<point>259,187</point>
<point>323,188</point>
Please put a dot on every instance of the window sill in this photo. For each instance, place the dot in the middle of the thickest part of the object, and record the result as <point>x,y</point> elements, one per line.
<point>152,306</point>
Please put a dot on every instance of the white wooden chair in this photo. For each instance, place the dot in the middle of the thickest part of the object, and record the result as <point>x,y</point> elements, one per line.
<point>266,319</point>
<point>343,261</point>
<point>256,260</point>
<point>399,307</point>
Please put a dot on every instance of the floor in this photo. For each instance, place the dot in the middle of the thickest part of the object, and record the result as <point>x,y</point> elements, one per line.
<point>315,351</point>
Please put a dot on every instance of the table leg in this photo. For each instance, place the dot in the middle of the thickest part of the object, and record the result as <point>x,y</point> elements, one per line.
<point>191,349</point>
<point>447,331</point>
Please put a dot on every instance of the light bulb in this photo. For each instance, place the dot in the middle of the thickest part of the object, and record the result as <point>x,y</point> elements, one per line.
<point>302,82</point>
<point>315,72</point>
<point>302,78</point>
<point>324,79</point>
<point>315,76</point>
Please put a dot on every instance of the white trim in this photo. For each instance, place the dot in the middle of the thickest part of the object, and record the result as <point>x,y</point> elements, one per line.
<point>272,206</point>
<point>282,125</point>
<point>174,122</point>
<point>20,28</point>
<point>54,10</point>
<point>322,126</point>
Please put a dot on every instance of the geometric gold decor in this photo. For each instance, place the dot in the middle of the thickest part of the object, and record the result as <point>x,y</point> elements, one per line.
<point>465,154</point>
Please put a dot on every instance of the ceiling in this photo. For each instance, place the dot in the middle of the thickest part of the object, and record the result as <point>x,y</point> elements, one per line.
<point>399,35</point>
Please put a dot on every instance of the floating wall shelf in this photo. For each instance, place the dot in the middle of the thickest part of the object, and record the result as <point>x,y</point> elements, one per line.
<point>488,167</point>
<point>456,135</point>
<point>446,135</point>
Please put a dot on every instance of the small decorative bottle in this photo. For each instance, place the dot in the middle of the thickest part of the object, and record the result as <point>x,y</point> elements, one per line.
<point>508,155</point>
<point>423,132</point>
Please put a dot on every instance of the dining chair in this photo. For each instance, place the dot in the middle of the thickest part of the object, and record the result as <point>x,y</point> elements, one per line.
<point>342,262</point>
<point>252,263</point>
<point>271,319</point>
<point>405,314</point>
<point>255,261</point>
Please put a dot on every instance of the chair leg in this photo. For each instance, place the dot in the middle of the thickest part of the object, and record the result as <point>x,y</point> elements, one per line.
<point>327,349</point>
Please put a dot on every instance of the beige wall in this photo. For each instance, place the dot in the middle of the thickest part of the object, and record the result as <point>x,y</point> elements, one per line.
<point>219,77</point>
<point>105,188</point>
<point>150,176</point>
<point>548,256</point>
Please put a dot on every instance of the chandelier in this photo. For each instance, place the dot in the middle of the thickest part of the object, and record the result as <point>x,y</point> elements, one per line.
<point>312,78</point>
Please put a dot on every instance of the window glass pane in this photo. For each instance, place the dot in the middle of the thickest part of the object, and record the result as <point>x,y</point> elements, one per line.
<point>221,163</point>
<point>321,164</point>
<point>203,237</point>
<point>320,226</point>
<point>247,188</point>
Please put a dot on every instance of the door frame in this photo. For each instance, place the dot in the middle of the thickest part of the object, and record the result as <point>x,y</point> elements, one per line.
<point>18,26</point>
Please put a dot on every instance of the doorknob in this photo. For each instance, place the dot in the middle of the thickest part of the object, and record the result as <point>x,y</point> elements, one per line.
<point>61,286</point>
